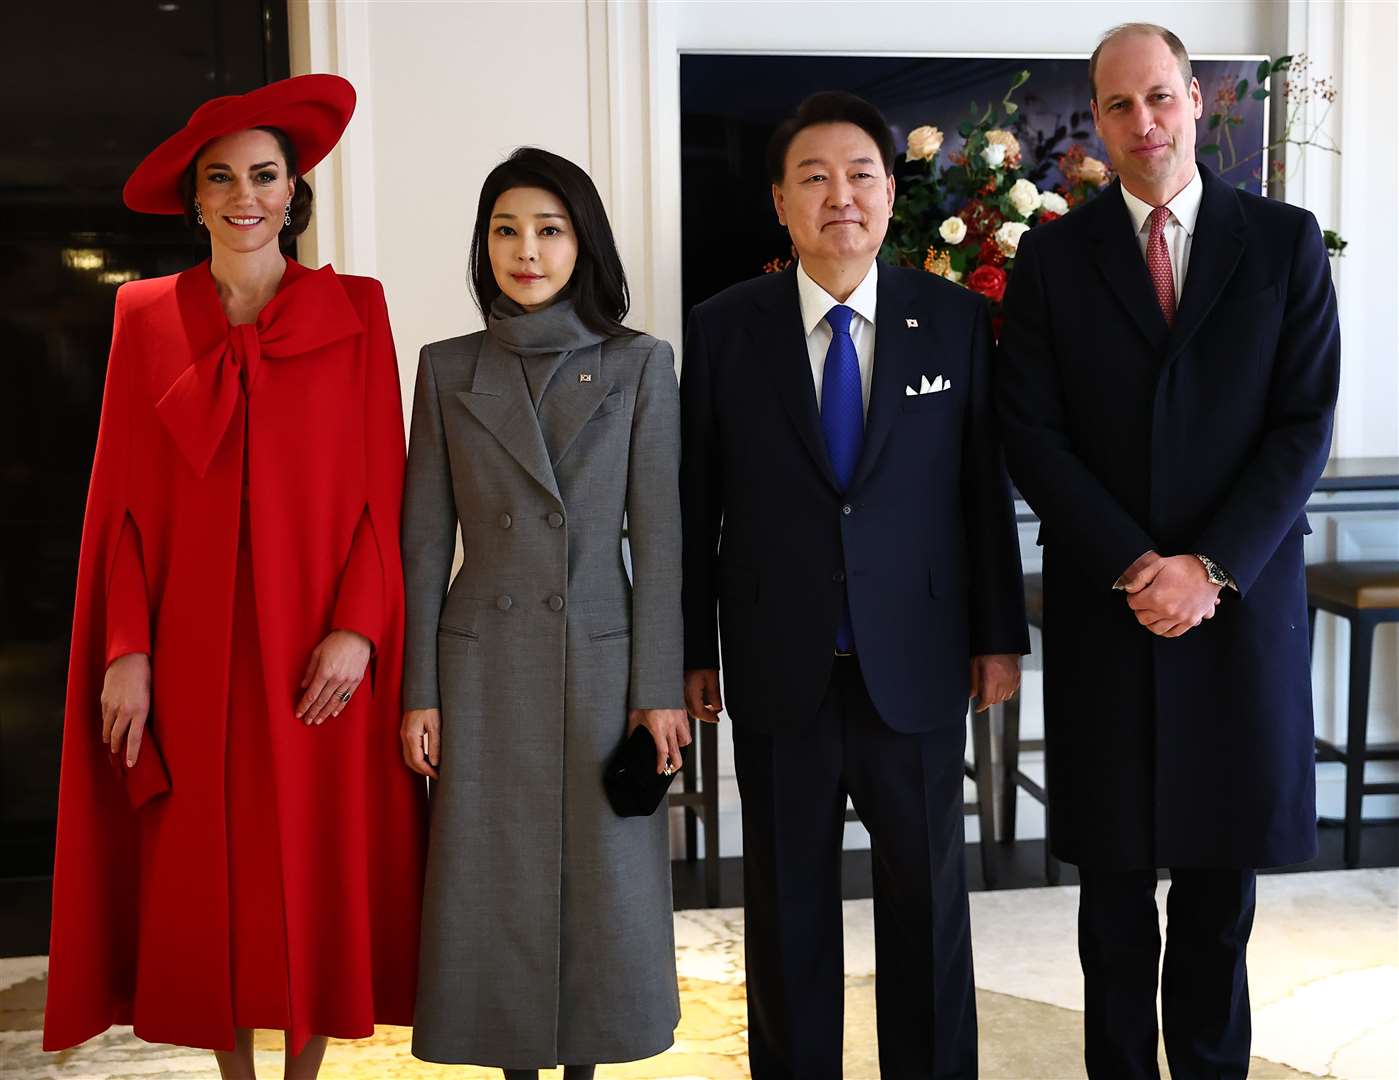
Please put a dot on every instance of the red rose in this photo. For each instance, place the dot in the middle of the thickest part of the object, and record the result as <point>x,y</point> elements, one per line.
<point>990,254</point>
<point>1047,215</point>
<point>990,281</point>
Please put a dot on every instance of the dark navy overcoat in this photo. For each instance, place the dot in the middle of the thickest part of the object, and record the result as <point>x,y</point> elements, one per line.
<point>1127,435</point>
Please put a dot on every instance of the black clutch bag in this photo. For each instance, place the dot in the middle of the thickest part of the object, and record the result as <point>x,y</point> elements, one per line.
<point>634,787</point>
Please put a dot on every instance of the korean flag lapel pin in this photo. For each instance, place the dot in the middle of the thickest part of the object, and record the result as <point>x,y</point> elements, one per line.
<point>585,376</point>
<point>912,324</point>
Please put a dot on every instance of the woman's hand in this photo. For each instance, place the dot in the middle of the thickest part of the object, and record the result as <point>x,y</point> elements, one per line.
<point>126,702</point>
<point>334,673</point>
<point>669,728</point>
<point>421,725</point>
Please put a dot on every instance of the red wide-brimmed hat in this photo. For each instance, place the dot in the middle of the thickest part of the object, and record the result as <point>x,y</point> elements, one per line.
<point>312,109</point>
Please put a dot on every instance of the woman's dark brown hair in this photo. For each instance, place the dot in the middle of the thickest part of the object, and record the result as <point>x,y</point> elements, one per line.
<point>301,197</point>
<point>599,284</point>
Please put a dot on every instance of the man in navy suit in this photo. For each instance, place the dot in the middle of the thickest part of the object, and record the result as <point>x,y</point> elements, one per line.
<point>849,528</point>
<point>1168,371</point>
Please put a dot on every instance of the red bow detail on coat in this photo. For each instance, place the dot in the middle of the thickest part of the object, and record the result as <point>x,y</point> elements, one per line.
<point>309,311</point>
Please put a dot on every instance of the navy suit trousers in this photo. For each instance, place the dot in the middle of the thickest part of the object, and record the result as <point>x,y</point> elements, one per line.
<point>907,789</point>
<point>1204,980</point>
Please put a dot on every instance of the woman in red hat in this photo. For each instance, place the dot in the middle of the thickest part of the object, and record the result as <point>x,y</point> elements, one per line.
<point>238,847</point>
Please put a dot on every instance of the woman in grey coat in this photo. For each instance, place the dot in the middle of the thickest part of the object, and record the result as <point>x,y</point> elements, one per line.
<point>547,934</point>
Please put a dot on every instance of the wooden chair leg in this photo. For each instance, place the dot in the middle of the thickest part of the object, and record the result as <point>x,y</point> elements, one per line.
<point>985,783</point>
<point>1010,766</point>
<point>1362,632</point>
<point>708,736</point>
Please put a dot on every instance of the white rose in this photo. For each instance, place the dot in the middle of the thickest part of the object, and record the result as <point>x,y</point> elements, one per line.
<point>994,154</point>
<point>953,230</point>
<point>924,143</point>
<point>1053,202</point>
<point>1025,197</point>
<point>1008,237</point>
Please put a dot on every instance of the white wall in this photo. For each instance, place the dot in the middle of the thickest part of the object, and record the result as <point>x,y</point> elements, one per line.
<point>448,88</point>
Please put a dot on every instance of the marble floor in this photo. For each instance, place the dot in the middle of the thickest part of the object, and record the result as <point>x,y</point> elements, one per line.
<point>1324,977</point>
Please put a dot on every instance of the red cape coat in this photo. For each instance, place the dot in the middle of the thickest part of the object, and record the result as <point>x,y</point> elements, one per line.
<point>140,929</point>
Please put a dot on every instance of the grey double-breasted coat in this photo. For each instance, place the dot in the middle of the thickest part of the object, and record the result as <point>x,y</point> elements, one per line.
<point>547,934</point>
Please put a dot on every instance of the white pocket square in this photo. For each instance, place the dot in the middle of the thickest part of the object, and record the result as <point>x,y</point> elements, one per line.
<point>937,386</point>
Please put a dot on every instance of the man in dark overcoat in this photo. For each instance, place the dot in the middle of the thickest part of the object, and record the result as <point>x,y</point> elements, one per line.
<point>1166,382</point>
<point>848,526</point>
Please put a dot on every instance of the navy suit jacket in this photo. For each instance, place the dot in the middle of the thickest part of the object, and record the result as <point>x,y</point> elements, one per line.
<point>1207,436</point>
<point>924,540</point>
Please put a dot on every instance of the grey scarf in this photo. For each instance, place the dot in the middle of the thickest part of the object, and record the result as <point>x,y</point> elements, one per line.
<point>542,339</point>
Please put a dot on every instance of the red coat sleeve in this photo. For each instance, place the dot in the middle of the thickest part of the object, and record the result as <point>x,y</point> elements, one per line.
<point>128,608</point>
<point>372,583</point>
<point>359,604</point>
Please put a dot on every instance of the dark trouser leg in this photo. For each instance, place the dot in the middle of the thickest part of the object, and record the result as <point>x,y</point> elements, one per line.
<point>1204,981</point>
<point>1119,945</point>
<point>793,821</point>
<point>521,1074</point>
<point>908,791</point>
<point>570,1072</point>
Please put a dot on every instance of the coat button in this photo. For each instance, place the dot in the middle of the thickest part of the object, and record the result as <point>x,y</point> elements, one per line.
<point>504,521</point>
<point>556,603</point>
<point>555,520</point>
<point>503,603</point>
<point>847,509</point>
<point>838,577</point>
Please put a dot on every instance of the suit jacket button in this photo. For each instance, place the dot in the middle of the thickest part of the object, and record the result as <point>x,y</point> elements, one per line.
<point>555,520</point>
<point>838,577</point>
<point>847,509</point>
<point>503,603</point>
<point>504,521</point>
<point>556,603</point>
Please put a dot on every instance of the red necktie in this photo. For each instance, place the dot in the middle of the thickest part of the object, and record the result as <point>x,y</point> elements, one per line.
<point>1158,261</point>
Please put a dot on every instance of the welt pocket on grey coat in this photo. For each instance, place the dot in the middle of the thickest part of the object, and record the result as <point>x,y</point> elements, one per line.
<point>605,619</point>
<point>447,630</point>
<point>610,404</point>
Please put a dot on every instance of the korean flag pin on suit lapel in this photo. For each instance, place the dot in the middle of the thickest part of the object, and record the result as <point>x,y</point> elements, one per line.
<point>911,324</point>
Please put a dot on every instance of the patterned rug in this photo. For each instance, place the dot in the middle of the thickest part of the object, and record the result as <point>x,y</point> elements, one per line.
<point>1324,977</point>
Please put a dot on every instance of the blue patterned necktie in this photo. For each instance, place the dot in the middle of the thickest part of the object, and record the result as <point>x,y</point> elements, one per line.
<point>842,423</point>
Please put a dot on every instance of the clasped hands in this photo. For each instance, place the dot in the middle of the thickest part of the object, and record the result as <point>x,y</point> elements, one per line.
<point>1169,596</point>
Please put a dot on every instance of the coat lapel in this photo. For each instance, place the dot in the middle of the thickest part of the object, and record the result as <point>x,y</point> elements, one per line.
<point>1215,250</point>
<point>499,398</point>
<point>896,349</point>
<point>1119,260</point>
<point>570,401</point>
<point>781,342</point>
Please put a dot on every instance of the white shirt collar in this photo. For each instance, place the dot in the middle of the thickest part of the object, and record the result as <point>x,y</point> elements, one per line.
<point>1185,207</point>
<point>816,301</point>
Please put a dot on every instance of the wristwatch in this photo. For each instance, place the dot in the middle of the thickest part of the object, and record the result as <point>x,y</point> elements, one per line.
<point>1217,574</point>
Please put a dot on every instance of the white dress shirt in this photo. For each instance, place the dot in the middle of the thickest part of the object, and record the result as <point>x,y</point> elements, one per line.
<point>1180,226</point>
<point>815,303</point>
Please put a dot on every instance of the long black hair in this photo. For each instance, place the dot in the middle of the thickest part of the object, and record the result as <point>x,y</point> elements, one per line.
<point>599,284</point>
